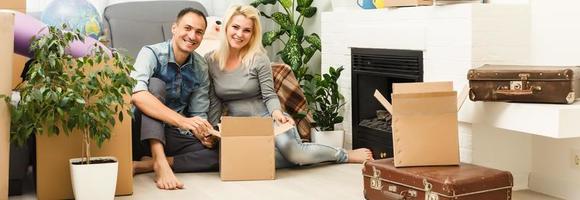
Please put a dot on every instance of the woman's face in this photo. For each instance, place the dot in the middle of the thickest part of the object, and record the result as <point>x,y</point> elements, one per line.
<point>240,31</point>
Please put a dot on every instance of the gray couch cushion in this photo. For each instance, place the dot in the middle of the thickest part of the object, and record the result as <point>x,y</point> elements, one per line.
<point>132,25</point>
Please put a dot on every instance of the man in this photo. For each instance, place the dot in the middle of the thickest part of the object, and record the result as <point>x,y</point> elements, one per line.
<point>172,101</point>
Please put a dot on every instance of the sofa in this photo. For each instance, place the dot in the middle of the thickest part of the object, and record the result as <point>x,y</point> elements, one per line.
<point>128,28</point>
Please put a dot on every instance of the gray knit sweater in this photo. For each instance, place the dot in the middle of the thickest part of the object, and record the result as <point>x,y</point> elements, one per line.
<point>248,90</point>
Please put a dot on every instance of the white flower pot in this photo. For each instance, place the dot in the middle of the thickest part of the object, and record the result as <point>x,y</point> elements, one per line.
<point>94,181</point>
<point>330,138</point>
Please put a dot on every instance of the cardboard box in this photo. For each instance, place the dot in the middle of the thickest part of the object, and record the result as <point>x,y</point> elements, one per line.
<point>401,3</point>
<point>424,123</point>
<point>6,50</point>
<point>247,149</point>
<point>13,4</point>
<point>18,62</point>
<point>53,153</point>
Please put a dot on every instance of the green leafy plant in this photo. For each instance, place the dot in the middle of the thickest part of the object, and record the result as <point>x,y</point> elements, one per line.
<point>63,93</point>
<point>298,48</point>
<point>324,99</point>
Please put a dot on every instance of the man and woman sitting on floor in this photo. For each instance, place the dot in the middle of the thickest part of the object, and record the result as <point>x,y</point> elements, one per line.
<point>180,95</point>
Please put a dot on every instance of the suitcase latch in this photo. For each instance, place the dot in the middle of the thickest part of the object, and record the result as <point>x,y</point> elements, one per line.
<point>375,180</point>
<point>429,195</point>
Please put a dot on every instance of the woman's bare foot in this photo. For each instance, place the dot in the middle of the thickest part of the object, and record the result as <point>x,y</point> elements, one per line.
<point>359,155</point>
<point>164,177</point>
<point>143,166</point>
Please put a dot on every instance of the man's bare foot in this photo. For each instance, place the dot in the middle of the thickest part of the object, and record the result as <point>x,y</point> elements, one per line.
<point>164,177</point>
<point>359,155</point>
<point>143,166</point>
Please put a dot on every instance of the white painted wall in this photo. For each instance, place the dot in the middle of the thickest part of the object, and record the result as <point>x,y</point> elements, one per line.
<point>214,7</point>
<point>555,32</point>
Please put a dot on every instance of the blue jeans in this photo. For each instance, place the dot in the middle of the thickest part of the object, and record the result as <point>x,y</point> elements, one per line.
<point>291,151</point>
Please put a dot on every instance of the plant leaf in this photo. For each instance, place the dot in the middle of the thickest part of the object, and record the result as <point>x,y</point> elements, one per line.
<point>314,40</point>
<point>286,3</point>
<point>271,36</point>
<point>282,19</point>
<point>304,3</point>
<point>257,3</point>
<point>307,12</point>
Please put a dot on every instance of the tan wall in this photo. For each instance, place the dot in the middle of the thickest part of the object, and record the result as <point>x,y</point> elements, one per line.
<point>6,37</point>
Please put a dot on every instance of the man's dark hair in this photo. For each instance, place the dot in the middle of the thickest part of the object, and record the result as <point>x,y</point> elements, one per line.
<point>191,10</point>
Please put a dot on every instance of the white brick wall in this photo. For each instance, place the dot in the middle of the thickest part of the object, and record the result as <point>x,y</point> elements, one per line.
<point>453,39</point>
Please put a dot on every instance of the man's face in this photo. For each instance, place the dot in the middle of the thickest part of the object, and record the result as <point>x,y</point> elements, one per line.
<point>188,32</point>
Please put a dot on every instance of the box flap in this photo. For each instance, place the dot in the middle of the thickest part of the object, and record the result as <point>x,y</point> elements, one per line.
<point>462,96</point>
<point>421,87</point>
<point>247,126</point>
<point>425,103</point>
<point>383,101</point>
<point>282,128</point>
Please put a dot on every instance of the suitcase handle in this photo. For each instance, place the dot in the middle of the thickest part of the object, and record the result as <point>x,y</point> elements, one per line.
<point>519,92</point>
<point>405,195</point>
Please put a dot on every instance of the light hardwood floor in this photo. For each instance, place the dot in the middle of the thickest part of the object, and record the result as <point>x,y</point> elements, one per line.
<point>332,182</point>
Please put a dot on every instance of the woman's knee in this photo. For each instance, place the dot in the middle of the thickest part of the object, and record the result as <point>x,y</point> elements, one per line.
<point>157,88</point>
<point>298,156</point>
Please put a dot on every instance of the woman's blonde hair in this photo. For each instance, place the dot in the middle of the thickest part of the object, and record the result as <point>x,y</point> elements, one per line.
<point>253,47</point>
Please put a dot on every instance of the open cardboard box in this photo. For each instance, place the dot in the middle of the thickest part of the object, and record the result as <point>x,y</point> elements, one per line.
<point>424,120</point>
<point>247,147</point>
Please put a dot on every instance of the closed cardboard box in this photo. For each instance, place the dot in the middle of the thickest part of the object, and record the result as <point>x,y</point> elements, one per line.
<point>6,50</point>
<point>247,149</point>
<point>424,123</point>
<point>13,4</point>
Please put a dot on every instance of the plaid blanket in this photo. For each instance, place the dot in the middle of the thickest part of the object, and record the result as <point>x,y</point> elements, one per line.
<point>291,97</point>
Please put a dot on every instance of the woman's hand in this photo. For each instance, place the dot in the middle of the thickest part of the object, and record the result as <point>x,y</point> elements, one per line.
<point>281,118</point>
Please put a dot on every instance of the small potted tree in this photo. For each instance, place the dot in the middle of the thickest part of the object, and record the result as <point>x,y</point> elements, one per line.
<point>325,103</point>
<point>64,94</point>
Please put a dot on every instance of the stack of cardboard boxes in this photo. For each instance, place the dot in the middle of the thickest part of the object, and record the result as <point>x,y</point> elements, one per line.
<point>6,49</point>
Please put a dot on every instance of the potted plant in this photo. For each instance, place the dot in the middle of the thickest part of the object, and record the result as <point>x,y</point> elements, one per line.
<point>298,48</point>
<point>326,103</point>
<point>64,94</point>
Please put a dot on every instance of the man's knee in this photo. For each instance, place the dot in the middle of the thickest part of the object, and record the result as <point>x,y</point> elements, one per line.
<point>157,88</point>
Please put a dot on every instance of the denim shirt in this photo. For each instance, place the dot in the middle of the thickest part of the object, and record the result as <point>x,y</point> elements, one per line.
<point>187,86</point>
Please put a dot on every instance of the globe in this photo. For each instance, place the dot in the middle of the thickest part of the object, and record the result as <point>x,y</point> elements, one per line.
<point>76,14</point>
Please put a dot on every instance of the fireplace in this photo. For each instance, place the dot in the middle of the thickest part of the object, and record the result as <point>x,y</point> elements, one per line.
<point>378,69</point>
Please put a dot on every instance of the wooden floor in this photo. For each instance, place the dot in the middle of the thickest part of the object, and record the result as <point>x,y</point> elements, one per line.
<point>332,182</point>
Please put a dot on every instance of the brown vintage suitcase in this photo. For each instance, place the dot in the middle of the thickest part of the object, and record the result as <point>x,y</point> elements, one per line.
<point>536,84</point>
<point>382,180</point>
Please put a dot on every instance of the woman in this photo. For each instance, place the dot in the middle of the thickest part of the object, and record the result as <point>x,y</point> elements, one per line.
<point>242,82</point>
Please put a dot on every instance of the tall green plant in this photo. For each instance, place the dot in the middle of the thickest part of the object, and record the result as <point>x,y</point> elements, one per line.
<point>298,48</point>
<point>63,93</point>
<point>324,99</point>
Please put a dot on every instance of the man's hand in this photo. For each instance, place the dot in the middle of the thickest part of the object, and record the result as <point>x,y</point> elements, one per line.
<point>207,141</point>
<point>196,125</point>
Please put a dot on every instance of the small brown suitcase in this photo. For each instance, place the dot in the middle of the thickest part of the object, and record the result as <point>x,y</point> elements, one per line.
<point>382,180</point>
<point>534,84</point>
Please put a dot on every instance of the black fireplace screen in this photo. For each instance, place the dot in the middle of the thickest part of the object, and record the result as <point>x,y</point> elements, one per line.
<point>378,69</point>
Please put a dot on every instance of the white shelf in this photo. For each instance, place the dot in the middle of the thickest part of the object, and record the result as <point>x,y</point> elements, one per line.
<point>550,120</point>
